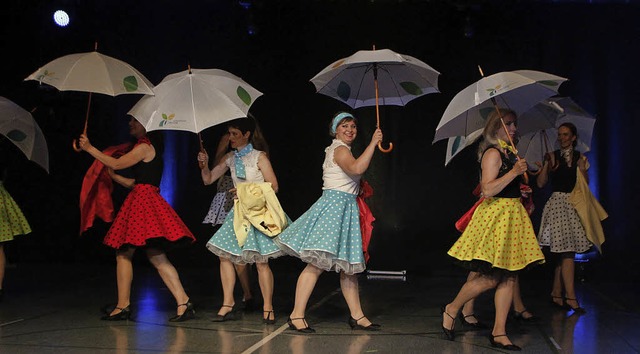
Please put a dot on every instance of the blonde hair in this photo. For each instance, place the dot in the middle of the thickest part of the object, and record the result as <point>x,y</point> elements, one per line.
<point>491,128</point>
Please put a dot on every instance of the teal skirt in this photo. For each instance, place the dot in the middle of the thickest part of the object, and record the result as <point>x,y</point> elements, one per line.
<point>328,234</point>
<point>258,248</point>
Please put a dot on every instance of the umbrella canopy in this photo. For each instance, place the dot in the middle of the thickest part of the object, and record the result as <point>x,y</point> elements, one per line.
<point>517,90</point>
<point>455,144</point>
<point>195,99</point>
<point>401,78</point>
<point>92,72</point>
<point>370,76</point>
<point>542,122</point>
<point>22,130</point>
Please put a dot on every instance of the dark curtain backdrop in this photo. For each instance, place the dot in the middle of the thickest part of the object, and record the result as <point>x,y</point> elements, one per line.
<point>417,199</point>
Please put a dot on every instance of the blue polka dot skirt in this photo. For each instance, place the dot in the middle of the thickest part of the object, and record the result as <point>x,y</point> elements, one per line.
<point>258,248</point>
<point>328,234</point>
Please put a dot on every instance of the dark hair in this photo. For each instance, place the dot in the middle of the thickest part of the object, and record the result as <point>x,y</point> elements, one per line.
<point>573,129</point>
<point>250,124</point>
<point>157,140</point>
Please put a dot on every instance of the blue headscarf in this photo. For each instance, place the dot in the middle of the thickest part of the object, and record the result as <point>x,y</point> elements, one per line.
<point>337,119</point>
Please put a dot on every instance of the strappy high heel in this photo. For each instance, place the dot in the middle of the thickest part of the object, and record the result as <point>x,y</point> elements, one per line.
<point>578,309</point>
<point>519,316</point>
<point>353,323</point>
<point>188,314</point>
<point>448,332</point>
<point>229,316</point>
<point>492,340</point>
<point>306,329</point>
<point>267,320</point>
<point>477,325</point>
<point>123,315</point>
<point>563,305</point>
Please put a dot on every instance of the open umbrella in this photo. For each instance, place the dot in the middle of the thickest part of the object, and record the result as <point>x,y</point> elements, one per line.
<point>92,72</point>
<point>21,129</point>
<point>376,77</point>
<point>547,116</point>
<point>195,99</point>
<point>455,144</point>
<point>517,90</point>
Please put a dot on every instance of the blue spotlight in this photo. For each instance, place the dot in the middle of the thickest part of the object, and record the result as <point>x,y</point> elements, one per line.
<point>61,18</point>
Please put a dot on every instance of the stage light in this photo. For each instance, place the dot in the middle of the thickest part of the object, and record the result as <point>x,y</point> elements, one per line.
<point>61,18</point>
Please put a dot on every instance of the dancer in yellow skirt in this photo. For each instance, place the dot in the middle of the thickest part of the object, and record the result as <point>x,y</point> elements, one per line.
<point>12,222</point>
<point>499,240</point>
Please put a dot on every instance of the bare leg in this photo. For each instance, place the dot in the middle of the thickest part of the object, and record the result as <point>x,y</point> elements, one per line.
<point>468,308</point>
<point>228,279</point>
<point>349,286</point>
<point>243,276</point>
<point>169,276</point>
<point>124,277</point>
<point>518,304</point>
<point>470,290</point>
<point>568,267</point>
<point>306,282</point>
<point>556,290</point>
<point>503,299</point>
<point>3,264</point>
<point>265,279</point>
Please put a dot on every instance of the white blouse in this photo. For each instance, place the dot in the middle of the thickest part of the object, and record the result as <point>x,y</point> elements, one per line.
<point>251,169</point>
<point>333,176</point>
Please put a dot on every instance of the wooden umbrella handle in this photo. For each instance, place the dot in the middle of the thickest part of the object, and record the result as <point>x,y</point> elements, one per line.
<point>375,84</point>
<point>74,144</point>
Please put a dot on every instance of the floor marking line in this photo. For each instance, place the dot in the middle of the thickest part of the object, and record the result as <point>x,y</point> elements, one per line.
<point>282,328</point>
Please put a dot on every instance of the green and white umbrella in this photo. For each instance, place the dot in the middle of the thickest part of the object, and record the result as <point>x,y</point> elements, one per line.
<point>19,127</point>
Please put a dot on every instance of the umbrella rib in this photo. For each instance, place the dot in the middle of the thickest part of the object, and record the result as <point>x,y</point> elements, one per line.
<point>193,104</point>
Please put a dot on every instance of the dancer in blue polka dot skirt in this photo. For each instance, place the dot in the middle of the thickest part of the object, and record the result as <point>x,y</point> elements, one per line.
<point>247,164</point>
<point>328,236</point>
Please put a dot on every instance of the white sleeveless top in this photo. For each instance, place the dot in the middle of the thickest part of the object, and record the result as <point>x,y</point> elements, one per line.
<point>251,169</point>
<point>333,176</point>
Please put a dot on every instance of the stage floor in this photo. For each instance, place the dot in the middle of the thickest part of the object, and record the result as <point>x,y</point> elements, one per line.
<point>56,309</point>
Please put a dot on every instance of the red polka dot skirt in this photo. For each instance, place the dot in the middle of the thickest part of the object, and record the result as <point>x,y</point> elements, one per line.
<point>144,216</point>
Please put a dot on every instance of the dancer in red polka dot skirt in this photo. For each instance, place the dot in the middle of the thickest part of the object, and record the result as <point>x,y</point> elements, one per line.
<point>145,220</point>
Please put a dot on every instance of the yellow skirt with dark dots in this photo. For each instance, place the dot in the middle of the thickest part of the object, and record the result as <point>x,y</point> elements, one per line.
<point>12,221</point>
<point>499,233</point>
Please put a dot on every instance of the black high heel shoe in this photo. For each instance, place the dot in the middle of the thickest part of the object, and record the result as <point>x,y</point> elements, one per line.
<point>578,310</point>
<point>123,315</point>
<point>477,325</point>
<point>188,314</point>
<point>518,315</point>
<point>306,329</point>
<point>448,332</point>
<point>353,323</point>
<point>492,340</point>
<point>267,320</point>
<point>229,316</point>
<point>563,305</point>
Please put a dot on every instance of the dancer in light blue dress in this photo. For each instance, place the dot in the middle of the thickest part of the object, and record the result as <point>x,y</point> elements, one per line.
<point>247,164</point>
<point>328,235</point>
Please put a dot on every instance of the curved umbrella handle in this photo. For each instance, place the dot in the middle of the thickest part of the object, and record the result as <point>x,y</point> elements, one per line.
<point>74,145</point>
<point>383,149</point>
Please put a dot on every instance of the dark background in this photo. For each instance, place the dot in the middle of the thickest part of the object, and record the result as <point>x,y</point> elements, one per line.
<point>277,46</point>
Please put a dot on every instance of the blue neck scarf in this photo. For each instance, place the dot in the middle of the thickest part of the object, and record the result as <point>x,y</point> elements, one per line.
<point>240,170</point>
